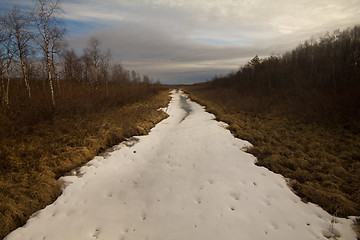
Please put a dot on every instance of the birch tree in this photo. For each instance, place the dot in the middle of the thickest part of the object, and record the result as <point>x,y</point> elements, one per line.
<point>120,74</point>
<point>86,60</point>
<point>2,62</point>
<point>46,17</point>
<point>20,23</point>
<point>57,45</point>
<point>93,50</point>
<point>7,55</point>
<point>105,69</point>
<point>73,68</point>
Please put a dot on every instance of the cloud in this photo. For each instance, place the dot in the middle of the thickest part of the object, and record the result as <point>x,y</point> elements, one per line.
<point>200,36</point>
<point>165,56</point>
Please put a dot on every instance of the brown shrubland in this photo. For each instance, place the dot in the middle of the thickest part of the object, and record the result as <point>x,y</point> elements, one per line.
<point>321,161</point>
<point>38,143</point>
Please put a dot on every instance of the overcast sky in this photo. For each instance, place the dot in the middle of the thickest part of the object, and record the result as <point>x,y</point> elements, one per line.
<point>185,41</point>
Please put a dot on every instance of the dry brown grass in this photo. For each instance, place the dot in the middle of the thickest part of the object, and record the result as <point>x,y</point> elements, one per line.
<point>32,160</point>
<point>323,161</point>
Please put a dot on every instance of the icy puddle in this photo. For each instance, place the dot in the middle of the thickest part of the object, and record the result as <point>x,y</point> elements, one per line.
<point>189,179</point>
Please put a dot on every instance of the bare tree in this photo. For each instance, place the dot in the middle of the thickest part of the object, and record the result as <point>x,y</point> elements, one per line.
<point>105,65</point>
<point>8,51</point>
<point>86,59</point>
<point>146,80</point>
<point>57,45</point>
<point>72,66</point>
<point>46,16</point>
<point>105,69</point>
<point>93,50</point>
<point>120,74</point>
<point>2,61</point>
<point>116,72</point>
<point>20,22</point>
<point>135,77</point>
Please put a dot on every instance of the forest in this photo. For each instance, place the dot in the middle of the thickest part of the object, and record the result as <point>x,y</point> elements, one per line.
<point>41,77</point>
<point>320,77</point>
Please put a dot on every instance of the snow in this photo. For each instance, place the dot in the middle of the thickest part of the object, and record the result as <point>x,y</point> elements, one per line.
<point>188,179</point>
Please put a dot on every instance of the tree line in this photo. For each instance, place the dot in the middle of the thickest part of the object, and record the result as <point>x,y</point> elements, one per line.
<point>323,71</point>
<point>42,78</point>
<point>33,49</point>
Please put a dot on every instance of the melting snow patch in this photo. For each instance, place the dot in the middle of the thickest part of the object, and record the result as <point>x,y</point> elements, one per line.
<point>188,179</point>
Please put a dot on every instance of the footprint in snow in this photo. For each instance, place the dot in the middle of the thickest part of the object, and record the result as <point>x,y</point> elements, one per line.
<point>274,225</point>
<point>267,202</point>
<point>235,196</point>
<point>96,233</point>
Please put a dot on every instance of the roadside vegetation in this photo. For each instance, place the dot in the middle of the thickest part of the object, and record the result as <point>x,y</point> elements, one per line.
<point>58,109</point>
<point>301,111</point>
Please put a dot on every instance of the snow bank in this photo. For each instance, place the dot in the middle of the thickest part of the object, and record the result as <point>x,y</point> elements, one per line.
<point>188,179</point>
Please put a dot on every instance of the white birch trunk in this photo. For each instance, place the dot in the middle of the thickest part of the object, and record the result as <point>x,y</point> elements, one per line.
<point>6,98</point>
<point>26,77</point>
<point>49,73</point>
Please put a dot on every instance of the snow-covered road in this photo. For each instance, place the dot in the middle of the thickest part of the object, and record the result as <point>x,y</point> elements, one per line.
<point>189,179</point>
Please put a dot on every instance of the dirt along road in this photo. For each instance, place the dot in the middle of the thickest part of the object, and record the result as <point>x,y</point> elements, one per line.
<point>188,179</point>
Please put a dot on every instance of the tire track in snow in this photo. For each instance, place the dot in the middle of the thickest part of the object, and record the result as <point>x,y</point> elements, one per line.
<point>185,106</point>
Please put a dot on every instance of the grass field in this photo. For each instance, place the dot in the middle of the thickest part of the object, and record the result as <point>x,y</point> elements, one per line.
<point>32,160</point>
<point>321,162</point>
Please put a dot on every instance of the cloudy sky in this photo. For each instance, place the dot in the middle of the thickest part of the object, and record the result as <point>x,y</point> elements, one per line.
<point>185,41</point>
